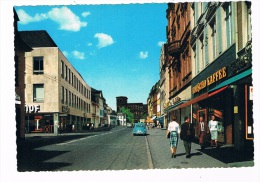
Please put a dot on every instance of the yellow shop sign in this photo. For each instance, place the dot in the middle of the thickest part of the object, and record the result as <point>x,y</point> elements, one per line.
<point>218,75</point>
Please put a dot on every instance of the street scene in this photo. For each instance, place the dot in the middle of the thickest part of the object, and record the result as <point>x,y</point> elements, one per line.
<point>118,149</point>
<point>133,87</point>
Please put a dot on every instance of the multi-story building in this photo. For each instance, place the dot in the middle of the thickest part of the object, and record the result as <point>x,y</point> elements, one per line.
<point>20,48</point>
<point>221,70</point>
<point>56,95</point>
<point>98,105</point>
<point>164,84</point>
<point>138,109</point>
<point>153,101</point>
<point>178,58</point>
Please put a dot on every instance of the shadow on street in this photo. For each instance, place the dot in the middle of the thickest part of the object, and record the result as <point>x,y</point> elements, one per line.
<point>228,154</point>
<point>29,159</point>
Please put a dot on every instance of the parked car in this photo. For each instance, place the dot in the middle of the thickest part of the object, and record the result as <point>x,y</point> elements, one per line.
<point>139,129</point>
<point>129,125</point>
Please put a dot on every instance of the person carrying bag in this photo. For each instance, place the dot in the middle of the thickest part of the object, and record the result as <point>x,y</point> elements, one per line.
<point>187,135</point>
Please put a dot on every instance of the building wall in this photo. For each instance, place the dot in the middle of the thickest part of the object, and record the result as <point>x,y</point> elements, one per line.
<point>178,53</point>
<point>50,79</point>
<point>19,90</point>
<point>73,101</point>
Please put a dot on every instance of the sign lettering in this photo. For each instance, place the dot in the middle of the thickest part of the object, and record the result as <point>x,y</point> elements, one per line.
<point>32,108</point>
<point>218,75</point>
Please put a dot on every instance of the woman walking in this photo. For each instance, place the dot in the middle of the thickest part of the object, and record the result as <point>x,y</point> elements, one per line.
<point>173,131</point>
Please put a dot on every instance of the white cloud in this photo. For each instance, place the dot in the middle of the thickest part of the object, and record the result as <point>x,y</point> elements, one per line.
<point>104,40</point>
<point>160,43</point>
<point>26,18</point>
<point>143,55</point>
<point>85,14</point>
<point>66,19</point>
<point>78,55</point>
<point>89,44</point>
<point>66,54</point>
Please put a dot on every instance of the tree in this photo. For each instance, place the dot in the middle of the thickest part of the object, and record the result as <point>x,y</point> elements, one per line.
<point>129,115</point>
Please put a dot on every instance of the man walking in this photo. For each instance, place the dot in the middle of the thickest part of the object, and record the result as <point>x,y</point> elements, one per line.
<point>187,135</point>
<point>202,130</point>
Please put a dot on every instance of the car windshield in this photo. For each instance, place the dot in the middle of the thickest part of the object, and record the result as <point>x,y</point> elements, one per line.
<point>139,125</point>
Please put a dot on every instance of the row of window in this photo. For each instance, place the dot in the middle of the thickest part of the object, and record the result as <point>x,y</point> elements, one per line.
<point>71,78</point>
<point>207,48</point>
<point>70,99</point>
<point>66,73</point>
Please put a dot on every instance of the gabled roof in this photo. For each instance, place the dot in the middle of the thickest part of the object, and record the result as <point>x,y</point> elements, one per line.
<point>37,38</point>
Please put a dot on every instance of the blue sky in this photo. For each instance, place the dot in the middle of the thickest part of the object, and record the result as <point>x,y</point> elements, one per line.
<point>116,48</point>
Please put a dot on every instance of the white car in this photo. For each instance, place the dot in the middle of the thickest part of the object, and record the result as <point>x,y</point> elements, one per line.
<point>128,125</point>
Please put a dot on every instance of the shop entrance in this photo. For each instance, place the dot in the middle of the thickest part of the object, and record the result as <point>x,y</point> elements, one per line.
<point>206,113</point>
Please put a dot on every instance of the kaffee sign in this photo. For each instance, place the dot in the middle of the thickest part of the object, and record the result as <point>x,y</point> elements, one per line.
<point>218,75</point>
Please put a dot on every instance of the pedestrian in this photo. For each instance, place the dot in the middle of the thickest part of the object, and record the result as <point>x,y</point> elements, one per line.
<point>173,131</point>
<point>213,127</point>
<point>187,134</point>
<point>202,131</point>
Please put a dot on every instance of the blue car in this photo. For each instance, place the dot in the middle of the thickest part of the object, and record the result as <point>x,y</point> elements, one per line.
<point>139,129</point>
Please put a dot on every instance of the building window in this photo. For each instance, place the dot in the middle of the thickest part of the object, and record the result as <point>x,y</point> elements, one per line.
<point>249,26</point>
<point>69,99</point>
<point>227,9</point>
<point>38,92</point>
<point>65,73</point>
<point>201,54</point>
<point>69,76</point>
<point>213,38</point>
<point>62,94</point>
<point>66,96</point>
<point>72,77</point>
<point>62,69</point>
<point>38,65</point>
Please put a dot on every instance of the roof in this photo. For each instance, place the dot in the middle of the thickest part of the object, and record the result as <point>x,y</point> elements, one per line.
<point>37,38</point>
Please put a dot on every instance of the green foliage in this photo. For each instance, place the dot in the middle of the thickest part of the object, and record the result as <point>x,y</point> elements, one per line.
<point>129,115</point>
<point>144,116</point>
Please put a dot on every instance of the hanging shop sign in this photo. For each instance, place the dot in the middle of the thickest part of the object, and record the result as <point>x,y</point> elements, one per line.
<point>218,75</point>
<point>32,108</point>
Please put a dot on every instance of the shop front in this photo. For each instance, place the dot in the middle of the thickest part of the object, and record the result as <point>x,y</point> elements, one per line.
<point>227,94</point>
<point>39,123</point>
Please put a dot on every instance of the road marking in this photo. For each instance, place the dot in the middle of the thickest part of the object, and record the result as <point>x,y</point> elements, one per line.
<point>150,160</point>
<point>76,140</point>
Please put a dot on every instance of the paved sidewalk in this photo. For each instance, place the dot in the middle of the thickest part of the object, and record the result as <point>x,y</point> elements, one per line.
<point>225,156</point>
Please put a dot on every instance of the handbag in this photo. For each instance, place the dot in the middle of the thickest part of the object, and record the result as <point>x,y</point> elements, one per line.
<point>168,135</point>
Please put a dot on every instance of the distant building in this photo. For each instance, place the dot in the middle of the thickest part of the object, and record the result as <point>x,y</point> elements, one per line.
<point>138,109</point>
<point>98,106</point>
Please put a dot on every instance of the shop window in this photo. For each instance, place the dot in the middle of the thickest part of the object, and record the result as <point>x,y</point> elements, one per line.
<point>38,92</point>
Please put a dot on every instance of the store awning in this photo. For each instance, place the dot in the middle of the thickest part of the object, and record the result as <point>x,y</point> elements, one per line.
<point>197,99</point>
<point>217,89</point>
<point>175,106</point>
<point>232,80</point>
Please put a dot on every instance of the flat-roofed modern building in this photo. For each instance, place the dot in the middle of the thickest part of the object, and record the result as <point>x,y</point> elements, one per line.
<point>56,95</point>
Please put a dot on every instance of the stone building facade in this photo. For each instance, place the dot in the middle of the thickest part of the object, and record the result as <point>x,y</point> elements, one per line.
<point>56,95</point>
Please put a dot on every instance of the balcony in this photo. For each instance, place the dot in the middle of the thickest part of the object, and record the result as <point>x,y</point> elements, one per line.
<point>174,48</point>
